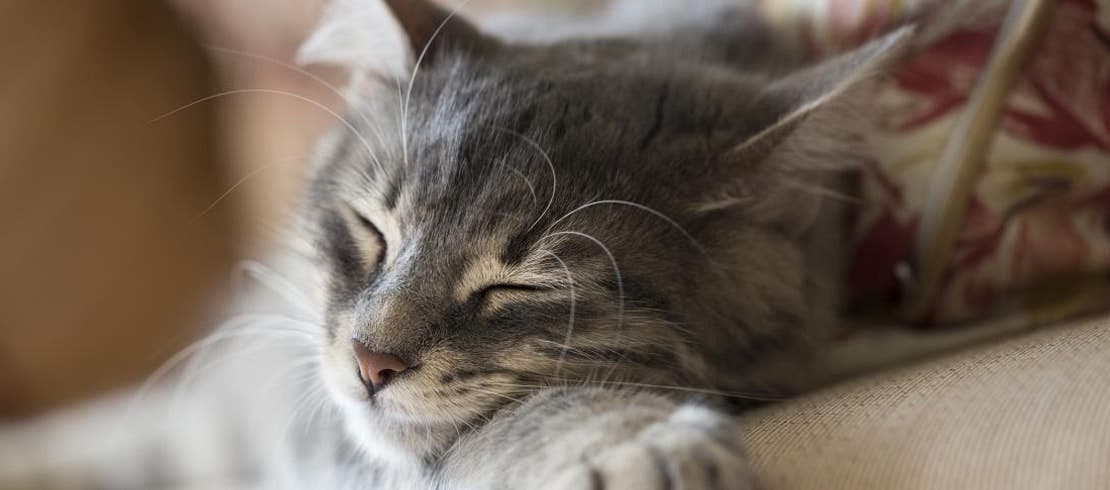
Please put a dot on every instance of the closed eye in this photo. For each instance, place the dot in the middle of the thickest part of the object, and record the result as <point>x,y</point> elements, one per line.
<point>517,287</point>
<point>483,295</point>
<point>368,238</point>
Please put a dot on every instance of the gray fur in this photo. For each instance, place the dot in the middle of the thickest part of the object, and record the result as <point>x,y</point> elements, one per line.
<point>657,220</point>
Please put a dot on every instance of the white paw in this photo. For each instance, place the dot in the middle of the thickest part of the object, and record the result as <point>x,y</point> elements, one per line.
<point>693,449</point>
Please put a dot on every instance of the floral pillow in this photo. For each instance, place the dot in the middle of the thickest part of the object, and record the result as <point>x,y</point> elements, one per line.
<point>1035,242</point>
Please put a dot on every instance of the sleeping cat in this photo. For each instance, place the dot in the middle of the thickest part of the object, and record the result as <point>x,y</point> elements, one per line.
<point>535,264</point>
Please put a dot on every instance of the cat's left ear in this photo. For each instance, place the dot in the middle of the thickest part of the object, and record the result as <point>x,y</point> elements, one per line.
<point>813,120</point>
<point>832,88</point>
<point>362,36</point>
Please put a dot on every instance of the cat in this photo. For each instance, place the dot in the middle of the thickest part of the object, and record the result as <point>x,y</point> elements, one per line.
<point>536,263</point>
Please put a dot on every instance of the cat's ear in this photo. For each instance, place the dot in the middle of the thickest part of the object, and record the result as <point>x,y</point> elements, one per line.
<point>383,39</point>
<point>814,118</point>
<point>430,29</point>
<point>830,88</point>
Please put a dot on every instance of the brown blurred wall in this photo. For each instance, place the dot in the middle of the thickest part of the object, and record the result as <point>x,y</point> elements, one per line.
<point>103,258</point>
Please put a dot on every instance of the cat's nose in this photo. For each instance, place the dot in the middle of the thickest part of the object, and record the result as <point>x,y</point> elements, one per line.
<point>376,368</point>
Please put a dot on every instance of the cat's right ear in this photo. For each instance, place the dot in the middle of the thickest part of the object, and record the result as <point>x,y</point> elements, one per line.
<point>362,36</point>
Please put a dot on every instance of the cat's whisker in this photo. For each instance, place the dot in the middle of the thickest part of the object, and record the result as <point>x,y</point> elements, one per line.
<point>197,366</point>
<point>402,127</point>
<point>307,329</point>
<point>616,273</point>
<point>621,357</point>
<point>166,367</point>
<point>499,395</point>
<point>286,429</point>
<point>274,61</point>
<point>685,389</point>
<point>239,183</point>
<point>310,402</point>
<point>670,221</point>
<point>368,182</point>
<point>531,188</point>
<point>242,326</point>
<point>301,400</point>
<point>704,391</point>
<point>273,378</point>
<point>346,98</point>
<point>199,346</point>
<point>416,69</point>
<point>689,335</point>
<point>266,276</point>
<point>570,325</point>
<point>550,165</point>
<point>565,347</point>
<point>197,363</point>
<point>303,409</point>
<point>343,121</point>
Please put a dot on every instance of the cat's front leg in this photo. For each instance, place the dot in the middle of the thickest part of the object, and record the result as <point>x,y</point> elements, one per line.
<point>692,448</point>
<point>597,438</point>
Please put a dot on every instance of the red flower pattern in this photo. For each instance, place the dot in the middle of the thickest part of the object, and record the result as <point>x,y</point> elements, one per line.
<point>1045,224</point>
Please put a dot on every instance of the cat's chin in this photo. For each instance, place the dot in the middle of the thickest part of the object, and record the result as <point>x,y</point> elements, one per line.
<point>395,437</point>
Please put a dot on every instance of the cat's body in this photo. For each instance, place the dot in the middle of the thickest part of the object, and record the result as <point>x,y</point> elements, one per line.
<point>553,250</point>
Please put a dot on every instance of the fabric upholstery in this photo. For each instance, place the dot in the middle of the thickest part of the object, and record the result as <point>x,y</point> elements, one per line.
<point>1030,231</point>
<point>1027,413</point>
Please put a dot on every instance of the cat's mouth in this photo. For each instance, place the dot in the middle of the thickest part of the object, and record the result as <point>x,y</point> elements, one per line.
<point>428,391</point>
<point>414,398</point>
<point>416,408</point>
<point>383,382</point>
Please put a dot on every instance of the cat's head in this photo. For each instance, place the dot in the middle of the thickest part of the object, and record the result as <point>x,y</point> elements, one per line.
<point>514,217</point>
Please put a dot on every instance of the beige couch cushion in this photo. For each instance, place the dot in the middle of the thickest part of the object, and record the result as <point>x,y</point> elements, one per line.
<point>1031,412</point>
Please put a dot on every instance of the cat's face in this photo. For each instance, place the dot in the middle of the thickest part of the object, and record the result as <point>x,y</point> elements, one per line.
<point>529,217</point>
<point>532,234</point>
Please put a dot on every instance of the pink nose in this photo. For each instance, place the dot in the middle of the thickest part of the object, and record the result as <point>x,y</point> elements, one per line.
<point>376,368</point>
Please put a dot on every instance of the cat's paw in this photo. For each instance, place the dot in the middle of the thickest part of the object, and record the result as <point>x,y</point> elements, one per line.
<point>694,449</point>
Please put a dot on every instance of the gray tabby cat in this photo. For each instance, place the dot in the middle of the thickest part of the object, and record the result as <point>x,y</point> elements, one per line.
<point>540,265</point>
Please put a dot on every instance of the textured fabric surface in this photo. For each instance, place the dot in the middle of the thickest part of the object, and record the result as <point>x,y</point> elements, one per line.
<point>1031,412</point>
